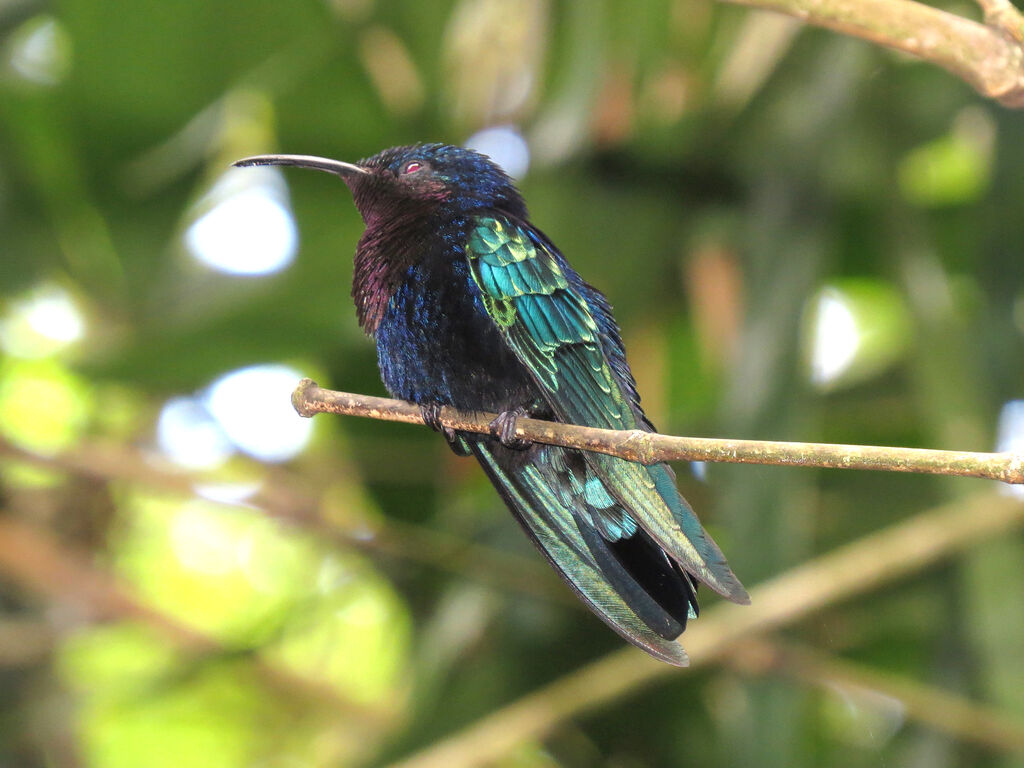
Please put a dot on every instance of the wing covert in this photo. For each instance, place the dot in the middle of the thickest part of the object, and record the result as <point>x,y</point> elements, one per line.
<point>547,323</point>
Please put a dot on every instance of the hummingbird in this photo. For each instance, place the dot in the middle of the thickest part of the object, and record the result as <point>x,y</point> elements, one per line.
<point>472,306</point>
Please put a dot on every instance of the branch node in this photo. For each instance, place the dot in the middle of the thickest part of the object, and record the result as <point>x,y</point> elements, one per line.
<point>301,398</point>
<point>637,447</point>
<point>1003,16</point>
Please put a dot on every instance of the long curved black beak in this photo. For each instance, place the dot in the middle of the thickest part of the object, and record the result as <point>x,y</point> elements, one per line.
<point>304,161</point>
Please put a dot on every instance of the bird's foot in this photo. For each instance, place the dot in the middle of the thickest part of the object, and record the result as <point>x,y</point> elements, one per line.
<point>432,418</point>
<point>431,413</point>
<point>503,428</point>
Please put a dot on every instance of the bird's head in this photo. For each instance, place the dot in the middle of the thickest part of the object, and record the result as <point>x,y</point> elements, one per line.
<point>417,180</point>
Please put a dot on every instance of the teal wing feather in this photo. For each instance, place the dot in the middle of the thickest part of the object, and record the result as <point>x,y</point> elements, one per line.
<point>541,496</point>
<point>541,310</point>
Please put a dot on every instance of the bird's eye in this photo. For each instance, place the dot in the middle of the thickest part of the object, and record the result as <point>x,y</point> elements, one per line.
<point>412,166</point>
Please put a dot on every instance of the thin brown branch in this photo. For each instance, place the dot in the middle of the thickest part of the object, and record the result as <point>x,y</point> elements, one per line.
<point>947,712</point>
<point>650,447</point>
<point>854,569</point>
<point>990,58</point>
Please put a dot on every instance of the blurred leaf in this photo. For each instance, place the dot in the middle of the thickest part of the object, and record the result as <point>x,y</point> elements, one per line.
<point>853,330</point>
<point>132,711</point>
<point>44,407</point>
<point>493,52</point>
<point>360,618</point>
<point>243,579</point>
<point>951,170</point>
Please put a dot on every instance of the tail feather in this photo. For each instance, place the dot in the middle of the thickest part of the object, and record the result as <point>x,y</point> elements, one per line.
<point>650,495</point>
<point>665,484</point>
<point>629,583</point>
<point>660,596</point>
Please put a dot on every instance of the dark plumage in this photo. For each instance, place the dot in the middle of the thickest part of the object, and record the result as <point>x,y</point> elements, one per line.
<point>473,306</point>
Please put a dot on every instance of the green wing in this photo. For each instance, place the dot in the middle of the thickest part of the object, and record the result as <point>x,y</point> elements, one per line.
<point>539,307</point>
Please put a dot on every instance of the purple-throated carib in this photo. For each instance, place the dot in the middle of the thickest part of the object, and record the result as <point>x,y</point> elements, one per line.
<point>472,306</point>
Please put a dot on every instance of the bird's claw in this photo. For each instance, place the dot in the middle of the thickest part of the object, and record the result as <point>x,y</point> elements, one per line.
<point>432,418</point>
<point>503,428</point>
<point>431,413</point>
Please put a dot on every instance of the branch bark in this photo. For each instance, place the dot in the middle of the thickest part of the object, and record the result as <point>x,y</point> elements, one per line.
<point>990,58</point>
<point>650,447</point>
<point>851,570</point>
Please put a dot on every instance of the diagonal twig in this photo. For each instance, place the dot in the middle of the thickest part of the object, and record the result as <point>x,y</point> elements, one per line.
<point>1003,15</point>
<point>848,571</point>
<point>650,447</point>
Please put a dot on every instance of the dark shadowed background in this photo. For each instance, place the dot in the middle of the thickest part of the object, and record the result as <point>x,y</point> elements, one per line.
<point>804,238</point>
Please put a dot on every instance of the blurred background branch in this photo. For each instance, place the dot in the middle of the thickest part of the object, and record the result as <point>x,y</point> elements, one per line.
<point>990,57</point>
<point>962,718</point>
<point>291,502</point>
<point>870,562</point>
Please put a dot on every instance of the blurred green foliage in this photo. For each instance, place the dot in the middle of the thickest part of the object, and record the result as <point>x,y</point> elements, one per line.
<point>804,238</point>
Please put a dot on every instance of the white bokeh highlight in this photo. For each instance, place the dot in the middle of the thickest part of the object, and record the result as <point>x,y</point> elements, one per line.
<point>203,542</point>
<point>836,338</point>
<point>246,226</point>
<point>188,435</point>
<point>505,146</point>
<point>41,323</point>
<point>253,407</point>
<point>40,50</point>
<point>1010,437</point>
